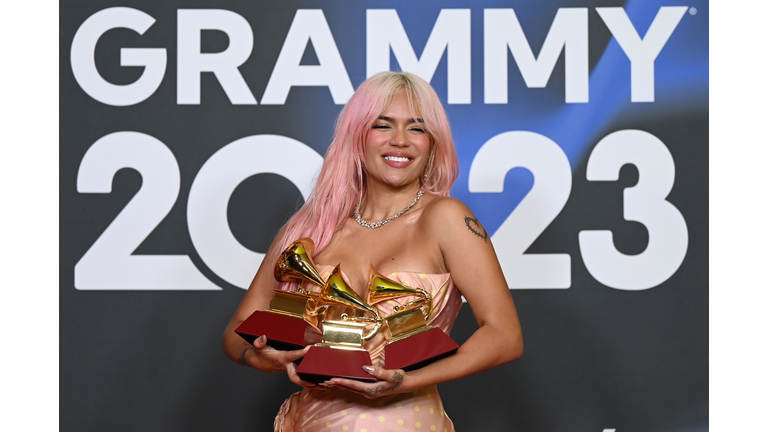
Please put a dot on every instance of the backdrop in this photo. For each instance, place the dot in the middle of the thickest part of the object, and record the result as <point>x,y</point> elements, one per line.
<point>190,131</point>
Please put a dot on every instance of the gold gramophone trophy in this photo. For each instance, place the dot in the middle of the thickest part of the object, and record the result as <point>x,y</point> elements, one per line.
<point>414,344</point>
<point>341,352</point>
<point>291,322</point>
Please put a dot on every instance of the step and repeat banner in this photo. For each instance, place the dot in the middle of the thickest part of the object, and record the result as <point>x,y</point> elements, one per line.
<point>190,131</point>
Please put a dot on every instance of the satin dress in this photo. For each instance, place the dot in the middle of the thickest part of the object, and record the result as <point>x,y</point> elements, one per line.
<point>335,409</point>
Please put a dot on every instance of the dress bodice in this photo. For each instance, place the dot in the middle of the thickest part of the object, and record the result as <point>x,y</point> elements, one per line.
<point>446,302</point>
<point>318,409</point>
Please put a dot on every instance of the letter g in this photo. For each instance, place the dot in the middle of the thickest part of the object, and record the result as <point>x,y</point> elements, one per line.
<point>84,65</point>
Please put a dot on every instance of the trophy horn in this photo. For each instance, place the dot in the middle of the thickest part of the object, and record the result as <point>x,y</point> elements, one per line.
<point>381,288</point>
<point>338,292</point>
<point>296,263</point>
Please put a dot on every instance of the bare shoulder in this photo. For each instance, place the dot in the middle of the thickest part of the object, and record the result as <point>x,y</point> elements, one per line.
<point>451,217</point>
<point>444,207</point>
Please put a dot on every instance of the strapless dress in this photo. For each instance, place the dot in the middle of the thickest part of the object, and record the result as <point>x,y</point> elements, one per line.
<point>335,409</point>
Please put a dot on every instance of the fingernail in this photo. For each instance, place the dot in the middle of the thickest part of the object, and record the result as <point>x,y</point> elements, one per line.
<point>263,338</point>
<point>368,369</point>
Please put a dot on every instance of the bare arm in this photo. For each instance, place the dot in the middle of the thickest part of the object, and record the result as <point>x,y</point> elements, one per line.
<point>469,256</point>
<point>259,355</point>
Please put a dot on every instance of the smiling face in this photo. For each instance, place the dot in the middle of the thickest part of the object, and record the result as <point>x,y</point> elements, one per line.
<point>397,146</point>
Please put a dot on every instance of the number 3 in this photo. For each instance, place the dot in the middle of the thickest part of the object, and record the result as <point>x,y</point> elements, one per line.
<point>645,203</point>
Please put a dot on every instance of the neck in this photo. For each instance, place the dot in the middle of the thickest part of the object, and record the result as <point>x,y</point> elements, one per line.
<point>381,202</point>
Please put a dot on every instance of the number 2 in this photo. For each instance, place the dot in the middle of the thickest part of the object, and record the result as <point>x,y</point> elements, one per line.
<point>551,188</point>
<point>109,263</point>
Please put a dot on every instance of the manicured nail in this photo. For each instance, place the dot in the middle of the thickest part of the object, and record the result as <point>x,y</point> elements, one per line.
<point>368,369</point>
<point>263,338</point>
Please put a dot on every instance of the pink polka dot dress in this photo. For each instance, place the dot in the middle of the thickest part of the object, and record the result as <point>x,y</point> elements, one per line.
<point>334,409</point>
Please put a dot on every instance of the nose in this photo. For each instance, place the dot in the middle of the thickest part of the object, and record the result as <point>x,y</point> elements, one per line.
<point>400,138</point>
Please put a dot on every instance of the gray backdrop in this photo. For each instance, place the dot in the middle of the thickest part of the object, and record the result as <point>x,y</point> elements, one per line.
<point>163,212</point>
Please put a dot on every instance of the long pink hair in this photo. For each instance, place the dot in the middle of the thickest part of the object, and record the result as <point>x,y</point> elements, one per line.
<point>341,183</point>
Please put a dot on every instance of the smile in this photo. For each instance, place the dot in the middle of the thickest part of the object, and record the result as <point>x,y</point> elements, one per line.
<point>397,158</point>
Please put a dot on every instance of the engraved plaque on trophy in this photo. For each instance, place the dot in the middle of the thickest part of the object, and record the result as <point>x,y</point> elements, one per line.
<point>341,352</point>
<point>413,344</point>
<point>291,321</point>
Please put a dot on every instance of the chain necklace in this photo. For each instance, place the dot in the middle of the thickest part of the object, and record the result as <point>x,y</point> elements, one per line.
<point>366,224</point>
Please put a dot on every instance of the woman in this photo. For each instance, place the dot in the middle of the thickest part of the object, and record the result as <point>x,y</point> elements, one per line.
<point>382,199</point>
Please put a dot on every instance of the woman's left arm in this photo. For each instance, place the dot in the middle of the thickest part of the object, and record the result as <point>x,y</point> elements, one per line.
<point>470,258</point>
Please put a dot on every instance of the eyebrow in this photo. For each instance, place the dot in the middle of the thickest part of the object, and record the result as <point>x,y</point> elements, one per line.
<point>390,119</point>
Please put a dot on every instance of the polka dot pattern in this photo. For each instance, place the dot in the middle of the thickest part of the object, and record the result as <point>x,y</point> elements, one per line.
<point>415,413</point>
<point>336,410</point>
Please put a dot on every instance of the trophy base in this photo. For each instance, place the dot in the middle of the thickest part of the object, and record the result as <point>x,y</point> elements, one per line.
<point>323,363</point>
<point>284,332</point>
<point>419,350</point>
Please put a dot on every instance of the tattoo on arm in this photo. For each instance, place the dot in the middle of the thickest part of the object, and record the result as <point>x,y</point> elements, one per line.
<point>396,380</point>
<point>474,226</point>
<point>242,360</point>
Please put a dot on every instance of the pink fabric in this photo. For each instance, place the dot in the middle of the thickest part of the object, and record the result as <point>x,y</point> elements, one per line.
<point>334,409</point>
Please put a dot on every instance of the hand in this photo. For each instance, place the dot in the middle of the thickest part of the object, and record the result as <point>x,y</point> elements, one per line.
<point>388,382</point>
<point>271,360</point>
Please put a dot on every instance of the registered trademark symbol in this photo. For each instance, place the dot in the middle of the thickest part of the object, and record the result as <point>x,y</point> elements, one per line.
<point>692,10</point>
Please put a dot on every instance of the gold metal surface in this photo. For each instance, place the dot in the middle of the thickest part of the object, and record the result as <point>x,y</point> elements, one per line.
<point>290,302</point>
<point>296,263</point>
<point>343,335</point>
<point>405,321</point>
<point>417,330</point>
<point>337,292</point>
<point>381,288</point>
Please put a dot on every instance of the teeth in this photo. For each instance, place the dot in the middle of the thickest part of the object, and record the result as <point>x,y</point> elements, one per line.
<point>396,158</point>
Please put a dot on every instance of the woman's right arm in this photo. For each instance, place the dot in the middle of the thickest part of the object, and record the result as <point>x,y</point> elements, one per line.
<point>258,297</point>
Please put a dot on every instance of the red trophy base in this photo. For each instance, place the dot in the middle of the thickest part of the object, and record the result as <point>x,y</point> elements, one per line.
<point>418,350</point>
<point>323,363</point>
<point>283,332</point>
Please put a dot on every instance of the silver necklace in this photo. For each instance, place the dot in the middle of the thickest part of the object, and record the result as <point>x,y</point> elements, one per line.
<point>370,225</point>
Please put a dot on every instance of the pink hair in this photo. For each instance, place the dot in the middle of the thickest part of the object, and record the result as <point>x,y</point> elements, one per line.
<point>341,182</point>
